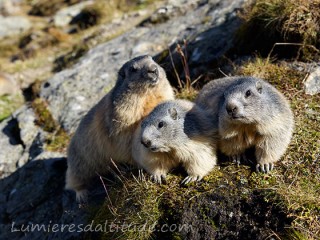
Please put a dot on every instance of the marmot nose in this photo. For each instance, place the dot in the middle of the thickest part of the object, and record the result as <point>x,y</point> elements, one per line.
<point>146,143</point>
<point>231,108</point>
<point>153,69</point>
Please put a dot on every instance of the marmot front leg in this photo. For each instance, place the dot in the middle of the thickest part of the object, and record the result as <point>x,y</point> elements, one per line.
<point>73,182</point>
<point>197,169</point>
<point>159,173</point>
<point>267,153</point>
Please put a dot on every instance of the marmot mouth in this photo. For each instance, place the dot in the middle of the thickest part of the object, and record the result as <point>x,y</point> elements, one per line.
<point>236,117</point>
<point>154,149</point>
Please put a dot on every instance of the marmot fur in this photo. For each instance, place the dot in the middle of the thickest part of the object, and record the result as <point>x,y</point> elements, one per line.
<point>176,132</point>
<point>250,113</point>
<point>106,131</point>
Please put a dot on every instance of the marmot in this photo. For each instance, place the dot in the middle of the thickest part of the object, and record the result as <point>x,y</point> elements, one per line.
<point>250,113</point>
<point>176,132</point>
<point>106,131</point>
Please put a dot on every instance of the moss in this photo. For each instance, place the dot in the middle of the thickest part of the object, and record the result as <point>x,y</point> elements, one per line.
<point>57,141</point>
<point>43,116</point>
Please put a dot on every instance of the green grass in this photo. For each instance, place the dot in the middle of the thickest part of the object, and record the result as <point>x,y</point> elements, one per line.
<point>8,104</point>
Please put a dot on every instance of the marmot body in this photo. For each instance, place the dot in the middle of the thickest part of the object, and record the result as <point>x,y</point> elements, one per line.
<point>106,131</point>
<point>176,132</point>
<point>250,113</point>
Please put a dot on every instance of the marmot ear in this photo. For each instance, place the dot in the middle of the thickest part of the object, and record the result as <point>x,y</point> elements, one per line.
<point>173,113</point>
<point>259,86</point>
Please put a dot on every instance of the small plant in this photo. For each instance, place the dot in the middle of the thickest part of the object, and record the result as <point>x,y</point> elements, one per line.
<point>186,89</point>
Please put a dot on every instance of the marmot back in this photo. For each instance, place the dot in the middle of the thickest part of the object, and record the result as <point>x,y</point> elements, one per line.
<point>176,132</point>
<point>106,131</point>
<point>250,113</point>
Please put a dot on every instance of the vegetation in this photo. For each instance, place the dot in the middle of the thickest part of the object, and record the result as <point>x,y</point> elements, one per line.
<point>8,104</point>
<point>293,22</point>
<point>57,138</point>
<point>297,180</point>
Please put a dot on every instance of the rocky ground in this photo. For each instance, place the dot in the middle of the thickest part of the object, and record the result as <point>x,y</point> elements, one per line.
<point>61,66</point>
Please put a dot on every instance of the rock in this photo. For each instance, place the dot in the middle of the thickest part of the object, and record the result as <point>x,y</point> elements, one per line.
<point>21,140</point>
<point>64,16</point>
<point>70,94</point>
<point>8,85</point>
<point>34,196</point>
<point>11,147</point>
<point>13,25</point>
<point>9,7</point>
<point>312,83</point>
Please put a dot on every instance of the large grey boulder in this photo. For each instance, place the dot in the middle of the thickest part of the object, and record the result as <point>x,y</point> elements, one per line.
<point>72,92</point>
<point>312,83</point>
<point>11,147</point>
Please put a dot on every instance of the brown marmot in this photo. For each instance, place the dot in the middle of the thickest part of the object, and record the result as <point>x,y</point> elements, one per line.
<point>106,131</point>
<point>176,132</point>
<point>250,113</point>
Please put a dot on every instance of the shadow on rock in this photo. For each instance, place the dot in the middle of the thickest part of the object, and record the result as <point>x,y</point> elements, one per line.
<point>34,204</point>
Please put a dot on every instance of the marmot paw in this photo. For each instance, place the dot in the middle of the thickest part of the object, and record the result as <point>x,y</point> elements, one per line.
<point>265,168</point>
<point>190,179</point>
<point>158,178</point>
<point>236,159</point>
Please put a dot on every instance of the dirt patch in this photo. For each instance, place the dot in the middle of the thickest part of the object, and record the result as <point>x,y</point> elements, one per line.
<point>219,216</point>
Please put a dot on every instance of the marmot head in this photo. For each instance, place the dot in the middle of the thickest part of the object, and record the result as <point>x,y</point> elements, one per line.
<point>162,128</point>
<point>244,102</point>
<point>140,73</point>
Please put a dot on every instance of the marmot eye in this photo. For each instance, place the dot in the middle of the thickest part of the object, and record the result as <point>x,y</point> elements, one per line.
<point>161,124</point>
<point>248,93</point>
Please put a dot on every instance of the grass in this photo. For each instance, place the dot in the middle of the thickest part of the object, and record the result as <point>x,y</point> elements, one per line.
<point>294,22</point>
<point>131,205</point>
<point>185,87</point>
<point>8,104</point>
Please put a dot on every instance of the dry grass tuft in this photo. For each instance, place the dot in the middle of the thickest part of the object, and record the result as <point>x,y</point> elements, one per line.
<point>290,21</point>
